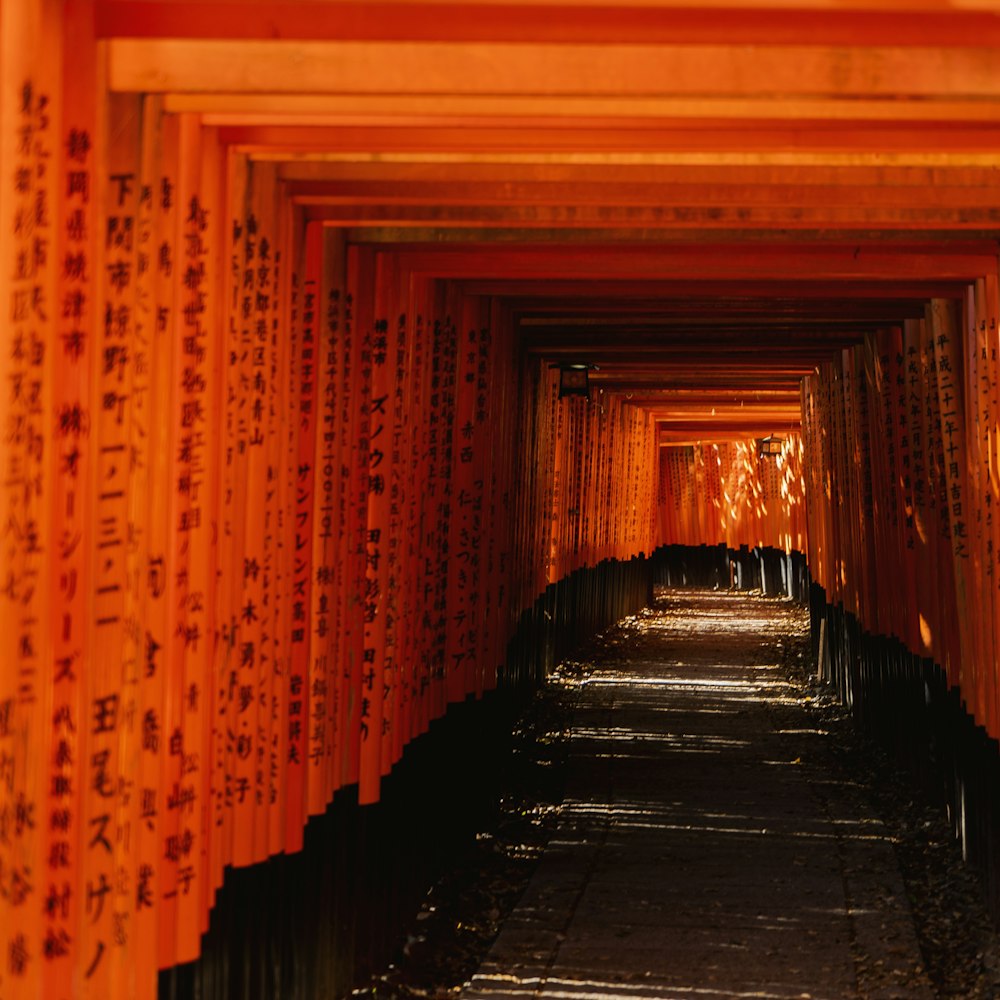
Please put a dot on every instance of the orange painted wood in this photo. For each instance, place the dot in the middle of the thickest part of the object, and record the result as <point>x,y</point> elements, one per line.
<point>362,740</point>
<point>957,493</point>
<point>278,697</point>
<point>737,263</point>
<point>417,648</point>
<point>402,564</point>
<point>400,196</point>
<point>908,262</point>
<point>249,495</point>
<point>30,139</point>
<point>285,781</point>
<point>194,411</point>
<point>72,353</point>
<point>328,492</point>
<point>146,601</point>
<point>217,615</point>
<point>312,500</point>
<point>316,67</point>
<point>294,686</point>
<point>518,22</point>
<point>986,300</point>
<point>231,514</point>
<point>109,696</point>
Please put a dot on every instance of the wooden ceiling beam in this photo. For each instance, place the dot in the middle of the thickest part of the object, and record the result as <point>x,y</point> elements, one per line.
<point>641,340</point>
<point>708,381</point>
<point>749,412</point>
<point>637,237</point>
<point>735,428</point>
<point>613,370</point>
<point>833,151</point>
<point>647,318</point>
<point>608,162</point>
<point>744,138</point>
<point>348,194</point>
<point>535,296</point>
<point>650,376</point>
<point>707,351</point>
<point>546,22</point>
<point>635,170</point>
<point>733,337</point>
<point>914,218</point>
<point>715,397</point>
<point>649,329</point>
<point>685,439</point>
<point>479,109</point>
<point>730,261</point>
<point>173,65</point>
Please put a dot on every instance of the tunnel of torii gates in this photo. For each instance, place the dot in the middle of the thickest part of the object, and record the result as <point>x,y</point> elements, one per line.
<point>287,289</point>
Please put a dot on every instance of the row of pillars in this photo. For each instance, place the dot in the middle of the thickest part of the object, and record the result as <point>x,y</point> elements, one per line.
<point>904,702</point>
<point>322,921</point>
<point>772,572</point>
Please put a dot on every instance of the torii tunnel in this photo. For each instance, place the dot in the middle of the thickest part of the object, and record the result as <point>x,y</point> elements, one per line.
<point>300,299</point>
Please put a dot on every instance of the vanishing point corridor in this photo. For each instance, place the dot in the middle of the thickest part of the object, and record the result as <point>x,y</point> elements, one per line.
<point>361,361</point>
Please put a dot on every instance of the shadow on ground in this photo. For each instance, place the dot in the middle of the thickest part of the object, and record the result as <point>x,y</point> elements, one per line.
<point>688,749</point>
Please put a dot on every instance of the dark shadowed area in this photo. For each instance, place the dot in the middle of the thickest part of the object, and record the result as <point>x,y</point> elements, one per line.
<point>716,826</point>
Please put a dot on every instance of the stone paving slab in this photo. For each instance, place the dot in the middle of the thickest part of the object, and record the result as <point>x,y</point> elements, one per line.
<point>704,848</point>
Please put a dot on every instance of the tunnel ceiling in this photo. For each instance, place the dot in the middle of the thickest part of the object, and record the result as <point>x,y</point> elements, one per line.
<point>704,201</point>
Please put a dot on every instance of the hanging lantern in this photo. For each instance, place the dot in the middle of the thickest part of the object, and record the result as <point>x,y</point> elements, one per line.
<point>574,381</point>
<point>770,446</point>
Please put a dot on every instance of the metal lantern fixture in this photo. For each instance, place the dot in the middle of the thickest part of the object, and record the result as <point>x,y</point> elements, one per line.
<point>574,381</point>
<point>770,446</point>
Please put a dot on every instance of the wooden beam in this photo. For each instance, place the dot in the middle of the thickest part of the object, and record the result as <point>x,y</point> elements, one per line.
<point>530,295</point>
<point>704,261</point>
<point>550,22</point>
<point>733,338</point>
<point>638,367</point>
<point>314,67</point>
<point>700,371</point>
<point>681,216</point>
<point>638,237</point>
<point>623,195</point>
<point>680,438</point>
<point>753,136</point>
<point>708,380</point>
<point>478,109</point>
<point>714,397</point>
<point>731,428</point>
<point>723,414</point>
<point>685,436</point>
<point>648,318</point>
<point>619,171</point>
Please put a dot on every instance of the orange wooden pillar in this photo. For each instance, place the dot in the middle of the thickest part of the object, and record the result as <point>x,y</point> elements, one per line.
<point>902,417</point>
<point>72,353</point>
<point>459,510</point>
<point>960,524</point>
<point>362,740</point>
<point>306,694</point>
<point>329,500</point>
<point>31,134</point>
<point>415,640</point>
<point>377,671</point>
<point>986,319</point>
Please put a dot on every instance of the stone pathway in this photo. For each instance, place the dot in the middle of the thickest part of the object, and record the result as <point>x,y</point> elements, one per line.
<point>707,848</point>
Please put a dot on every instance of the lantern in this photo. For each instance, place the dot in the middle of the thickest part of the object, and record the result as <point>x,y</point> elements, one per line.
<point>770,446</point>
<point>574,381</point>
